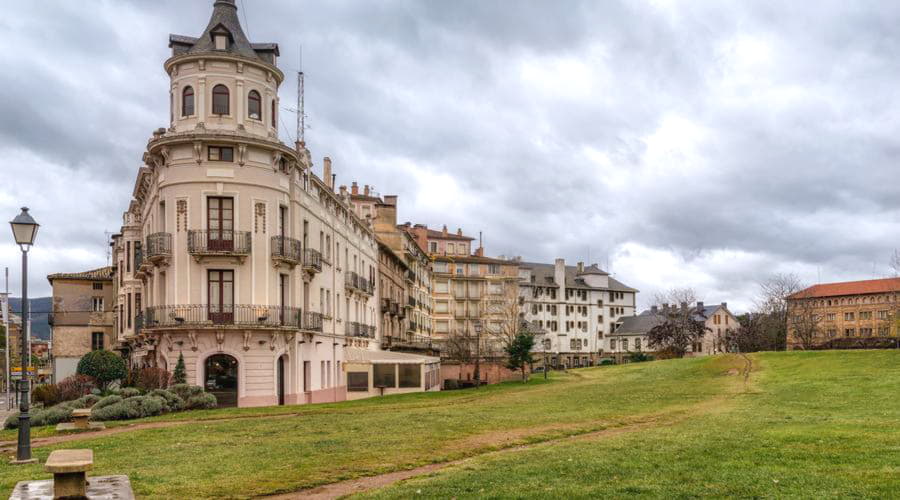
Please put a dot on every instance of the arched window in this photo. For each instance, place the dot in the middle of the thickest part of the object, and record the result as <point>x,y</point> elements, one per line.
<point>274,116</point>
<point>220,100</point>
<point>254,105</point>
<point>187,101</point>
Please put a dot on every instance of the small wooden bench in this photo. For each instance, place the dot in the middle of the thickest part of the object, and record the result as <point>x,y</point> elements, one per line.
<point>69,468</point>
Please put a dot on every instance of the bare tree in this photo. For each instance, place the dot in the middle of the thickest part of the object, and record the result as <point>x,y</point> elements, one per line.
<point>772,303</point>
<point>804,321</point>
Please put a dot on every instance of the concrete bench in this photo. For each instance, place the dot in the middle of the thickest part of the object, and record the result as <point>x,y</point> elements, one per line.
<point>69,468</point>
<point>80,422</point>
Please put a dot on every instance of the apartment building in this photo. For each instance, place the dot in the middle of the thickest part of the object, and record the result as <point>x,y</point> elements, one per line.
<point>576,307</point>
<point>234,252</point>
<point>468,290</point>
<point>631,334</point>
<point>843,314</point>
<point>82,317</point>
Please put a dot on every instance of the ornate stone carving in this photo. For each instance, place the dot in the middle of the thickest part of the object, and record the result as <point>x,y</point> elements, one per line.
<point>169,342</point>
<point>242,154</point>
<point>240,67</point>
<point>247,336</point>
<point>259,217</point>
<point>198,151</point>
<point>272,337</point>
<point>202,64</point>
<point>220,339</point>
<point>192,338</point>
<point>181,215</point>
<point>276,159</point>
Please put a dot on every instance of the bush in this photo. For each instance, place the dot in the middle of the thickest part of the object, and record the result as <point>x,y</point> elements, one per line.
<point>201,401</point>
<point>104,366</point>
<point>153,378</point>
<point>180,375</point>
<point>47,394</point>
<point>185,391</point>
<point>173,401</point>
<point>607,362</point>
<point>133,407</point>
<point>75,386</point>
<point>108,400</point>
<point>129,392</point>
<point>451,384</point>
<point>639,357</point>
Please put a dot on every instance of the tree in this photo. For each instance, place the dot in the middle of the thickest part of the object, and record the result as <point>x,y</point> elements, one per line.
<point>678,330</point>
<point>104,366</point>
<point>180,375</point>
<point>518,352</point>
<point>803,319</point>
<point>772,303</point>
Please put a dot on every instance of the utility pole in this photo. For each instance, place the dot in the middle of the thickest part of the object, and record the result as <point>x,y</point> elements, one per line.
<point>5,311</point>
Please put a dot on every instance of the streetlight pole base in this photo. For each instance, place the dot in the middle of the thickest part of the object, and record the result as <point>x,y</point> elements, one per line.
<point>23,462</point>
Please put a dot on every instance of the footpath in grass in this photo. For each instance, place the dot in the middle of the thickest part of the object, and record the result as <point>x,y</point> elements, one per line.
<point>813,425</point>
<point>329,443</point>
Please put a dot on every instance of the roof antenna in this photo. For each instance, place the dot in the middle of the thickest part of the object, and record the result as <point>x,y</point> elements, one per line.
<point>301,113</point>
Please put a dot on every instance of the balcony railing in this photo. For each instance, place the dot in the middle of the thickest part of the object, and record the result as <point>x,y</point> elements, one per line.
<point>312,321</point>
<point>411,302</point>
<point>408,341</point>
<point>356,282</point>
<point>355,329</point>
<point>312,260</point>
<point>385,305</point>
<point>244,315</point>
<point>286,250</point>
<point>158,246</point>
<point>218,242</point>
<point>410,275</point>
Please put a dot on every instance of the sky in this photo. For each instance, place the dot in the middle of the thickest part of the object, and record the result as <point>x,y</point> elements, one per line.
<point>677,144</point>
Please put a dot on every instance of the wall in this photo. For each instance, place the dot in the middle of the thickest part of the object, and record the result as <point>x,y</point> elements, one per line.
<point>491,372</point>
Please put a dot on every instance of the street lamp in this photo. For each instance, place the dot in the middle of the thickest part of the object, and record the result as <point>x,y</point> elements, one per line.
<point>24,229</point>
<point>477,353</point>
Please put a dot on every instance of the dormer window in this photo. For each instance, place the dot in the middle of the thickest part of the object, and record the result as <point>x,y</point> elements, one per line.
<point>221,42</point>
<point>254,105</point>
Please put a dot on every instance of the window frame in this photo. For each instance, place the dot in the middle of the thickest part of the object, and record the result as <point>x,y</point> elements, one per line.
<point>217,90</point>
<point>220,150</point>
<point>184,103</point>
<point>254,97</point>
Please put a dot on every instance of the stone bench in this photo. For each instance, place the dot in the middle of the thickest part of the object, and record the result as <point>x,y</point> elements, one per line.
<point>80,422</point>
<point>69,468</point>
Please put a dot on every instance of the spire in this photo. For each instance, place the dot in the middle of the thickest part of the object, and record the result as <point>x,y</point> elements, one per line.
<point>223,33</point>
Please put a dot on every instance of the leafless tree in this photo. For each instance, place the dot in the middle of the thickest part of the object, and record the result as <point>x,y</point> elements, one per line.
<point>772,303</point>
<point>803,319</point>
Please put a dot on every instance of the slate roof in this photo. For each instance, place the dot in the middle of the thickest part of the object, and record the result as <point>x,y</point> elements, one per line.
<point>99,274</point>
<point>645,321</point>
<point>224,19</point>
<point>886,285</point>
<point>544,275</point>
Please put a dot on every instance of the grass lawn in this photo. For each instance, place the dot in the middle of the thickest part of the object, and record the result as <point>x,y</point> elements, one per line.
<point>820,424</point>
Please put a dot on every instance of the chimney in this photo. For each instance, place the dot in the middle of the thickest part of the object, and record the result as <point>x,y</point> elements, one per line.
<point>654,309</point>
<point>665,308</point>
<point>699,306</point>
<point>479,252</point>
<point>391,199</point>
<point>725,305</point>
<point>559,274</point>
<point>444,230</point>
<point>343,190</point>
<point>326,172</point>
<point>366,190</point>
<point>354,188</point>
<point>459,231</point>
<point>581,267</point>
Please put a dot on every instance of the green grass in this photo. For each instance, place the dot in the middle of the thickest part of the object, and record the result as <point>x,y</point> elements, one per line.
<point>814,425</point>
<point>821,424</point>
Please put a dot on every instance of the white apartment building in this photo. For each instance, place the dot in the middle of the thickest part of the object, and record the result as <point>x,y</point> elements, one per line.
<point>236,255</point>
<point>576,306</point>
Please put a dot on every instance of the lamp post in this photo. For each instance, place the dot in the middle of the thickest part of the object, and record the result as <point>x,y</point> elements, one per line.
<point>477,353</point>
<point>24,230</point>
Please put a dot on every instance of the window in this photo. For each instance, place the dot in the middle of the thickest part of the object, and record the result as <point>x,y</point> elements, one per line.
<point>849,332</point>
<point>493,268</point>
<point>882,315</point>
<point>99,286</point>
<point>624,344</point>
<point>254,105</point>
<point>220,294</point>
<point>829,316</point>
<point>384,375</point>
<point>218,153</point>
<point>358,381</point>
<point>848,316</point>
<point>274,116</point>
<point>187,101</point>
<point>97,304</point>
<point>410,375</point>
<point>221,104</point>
<point>96,341</point>
<point>637,344</point>
<point>865,315</point>
<point>432,246</point>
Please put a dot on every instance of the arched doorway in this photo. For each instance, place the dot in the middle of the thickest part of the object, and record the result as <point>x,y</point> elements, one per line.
<point>281,380</point>
<point>221,379</point>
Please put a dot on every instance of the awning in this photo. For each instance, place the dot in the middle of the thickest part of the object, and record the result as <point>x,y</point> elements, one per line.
<point>356,355</point>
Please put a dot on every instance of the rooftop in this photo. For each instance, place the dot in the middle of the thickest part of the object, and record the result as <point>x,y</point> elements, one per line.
<point>544,275</point>
<point>224,21</point>
<point>99,274</point>
<point>863,287</point>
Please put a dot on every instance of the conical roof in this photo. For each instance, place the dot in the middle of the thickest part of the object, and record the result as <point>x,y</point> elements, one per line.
<point>224,21</point>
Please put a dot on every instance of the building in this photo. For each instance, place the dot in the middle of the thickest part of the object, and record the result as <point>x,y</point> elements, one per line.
<point>82,317</point>
<point>470,291</point>
<point>631,334</point>
<point>851,313</point>
<point>233,252</point>
<point>577,306</point>
<point>404,272</point>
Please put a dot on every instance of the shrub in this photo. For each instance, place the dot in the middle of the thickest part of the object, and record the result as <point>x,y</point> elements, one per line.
<point>185,391</point>
<point>180,375</point>
<point>133,407</point>
<point>108,400</point>
<point>638,357</point>
<point>75,386</point>
<point>451,384</point>
<point>153,378</point>
<point>47,394</point>
<point>607,362</point>
<point>129,392</point>
<point>173,401</point>
<point>104,366</point>
<point>201,401</point>
<point>48,416</point>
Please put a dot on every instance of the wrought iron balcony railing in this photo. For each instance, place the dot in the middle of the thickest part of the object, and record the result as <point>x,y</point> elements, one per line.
<point>355,329</point>
<point>218,242</point>
<point>286,250</point>
<point>243,315</point>
<point>356,282</point>
<point>158,246</point>
<point>312,260</point>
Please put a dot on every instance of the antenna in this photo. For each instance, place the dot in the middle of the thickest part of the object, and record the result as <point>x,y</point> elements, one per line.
<point>300,109</point>
<point>108,248</point>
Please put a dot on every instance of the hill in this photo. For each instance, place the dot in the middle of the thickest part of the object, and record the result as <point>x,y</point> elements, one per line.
<point>798,424</point>
<point>40,307</point>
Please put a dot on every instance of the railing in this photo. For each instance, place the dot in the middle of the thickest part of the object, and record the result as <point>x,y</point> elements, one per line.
<point>411,301</point>
<point>385,305</point>
<point>354,281</point>
<point>218,242</point>
<point>312,321</point>
<point>158,245</point>
<point>312,260</point>
<point>355,329</point>
<point>286,249</point>
<point>409,341</point>
<point>410,275</point>
<point>198,315</point>
<point>138,258</point>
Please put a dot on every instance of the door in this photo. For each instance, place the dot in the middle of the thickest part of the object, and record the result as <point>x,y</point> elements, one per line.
<point>220,222</point>
<point>281,380</point>
<point>221,379</point>
<point>221,297</point>
<point>307,373</point>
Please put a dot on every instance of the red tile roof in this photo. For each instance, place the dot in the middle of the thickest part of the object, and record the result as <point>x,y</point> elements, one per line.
<point>849,288</point>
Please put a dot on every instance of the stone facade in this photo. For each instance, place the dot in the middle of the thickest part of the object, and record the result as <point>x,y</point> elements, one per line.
<point>631,335</point>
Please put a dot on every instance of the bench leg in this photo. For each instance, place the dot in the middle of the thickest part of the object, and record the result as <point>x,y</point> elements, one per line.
<point>69,485</point>
<point>81,423</point>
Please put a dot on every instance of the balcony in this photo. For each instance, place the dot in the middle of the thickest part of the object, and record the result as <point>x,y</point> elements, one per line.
<point>408,341</point>
<point>312,260</point>
<point>410,276</point>
<point>354,282</point>
<point>286,250</point>
<point>410,302</point>
<point>311,321</point>
<point>355,329</point>
<point>212,243</point>
<point>237,315</point>
<point>385,305</point>
<point>158,247</point>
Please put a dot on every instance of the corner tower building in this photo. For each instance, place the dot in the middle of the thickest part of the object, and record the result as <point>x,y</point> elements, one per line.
<point>232,252</point>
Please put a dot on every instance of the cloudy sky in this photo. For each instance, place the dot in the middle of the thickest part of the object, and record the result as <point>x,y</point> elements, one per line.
<point>702,144</point>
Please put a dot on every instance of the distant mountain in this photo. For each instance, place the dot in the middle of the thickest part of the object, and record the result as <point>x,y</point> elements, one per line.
<point>40,307</point>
